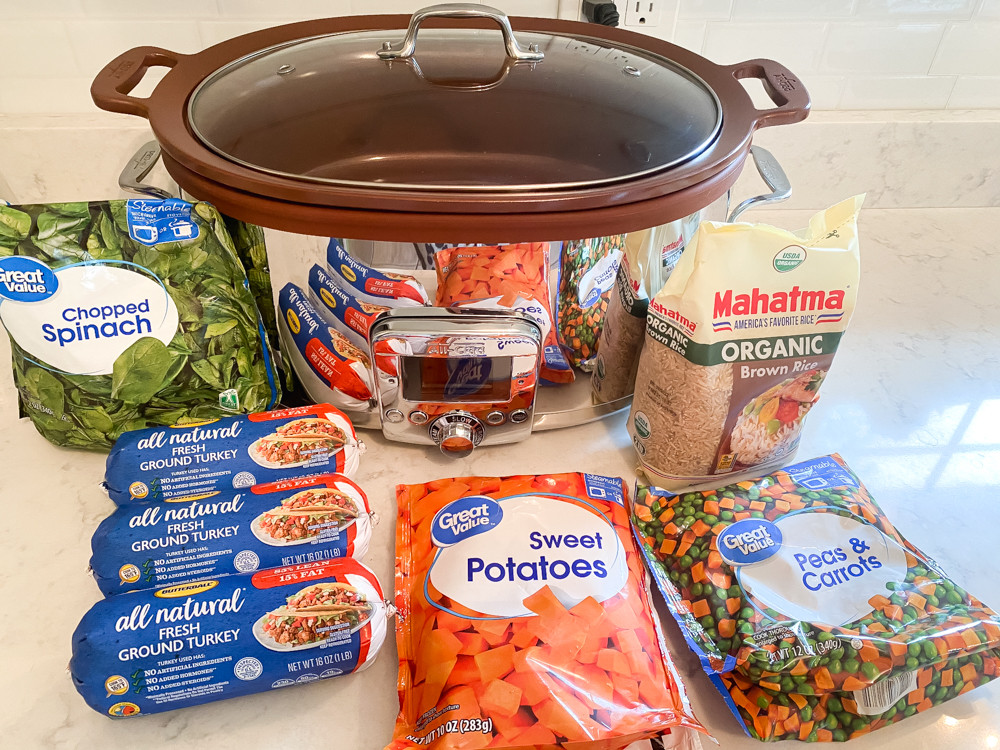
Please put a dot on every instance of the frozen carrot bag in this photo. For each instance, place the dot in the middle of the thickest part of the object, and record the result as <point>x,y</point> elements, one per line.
<point>512,276</point>
<point>524,618</point>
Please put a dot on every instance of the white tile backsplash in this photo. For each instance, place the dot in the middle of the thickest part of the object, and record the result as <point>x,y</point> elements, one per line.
<point>864,49</point>
<point>897,92</point>
<point>850,53</point>
<point>975,92</point>
<point>97,42</point>
<point>797,46</point>
<point>971,49</point>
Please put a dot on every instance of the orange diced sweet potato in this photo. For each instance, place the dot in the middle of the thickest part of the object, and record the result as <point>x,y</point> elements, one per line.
<point>626,640</point>
<point>544,602</point>
<point>496,663</point>
<point>611,660</point>
<point>535,686</point>
<point>472,643</point>
<point>501,698</point>
<point>465,672</point>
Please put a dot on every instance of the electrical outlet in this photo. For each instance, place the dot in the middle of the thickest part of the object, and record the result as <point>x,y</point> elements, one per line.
<point>642,13</point>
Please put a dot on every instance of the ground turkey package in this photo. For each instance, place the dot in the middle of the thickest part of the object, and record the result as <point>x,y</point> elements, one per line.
<point>813,616</point>
<point>738,343</point>
<point>202,460</point>
<point>144,545</point>
<point>510,276</point>
<point>183,645</point>
<point>128,314</point>
<point>525,618</point>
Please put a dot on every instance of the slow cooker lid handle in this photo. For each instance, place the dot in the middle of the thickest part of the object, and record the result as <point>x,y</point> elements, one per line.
<point>405,49</point>
<point>112,85</point>
<point>782,86</point>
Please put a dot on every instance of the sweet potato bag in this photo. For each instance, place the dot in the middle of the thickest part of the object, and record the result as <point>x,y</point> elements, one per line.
<point>512,276</point>
<point>524,618</point>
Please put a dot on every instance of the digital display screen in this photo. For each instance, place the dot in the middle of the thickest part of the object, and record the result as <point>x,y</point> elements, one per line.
<point>456,379</point>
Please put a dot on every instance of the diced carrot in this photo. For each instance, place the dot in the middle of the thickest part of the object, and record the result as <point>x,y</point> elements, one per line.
<point>967,688</point>
<point>711,507</point>
<point>799,700</point>
<point>782,505</point>
<point>733,605</point>
<point>805,729</point>
<point>968,672</point>
<point>879,602</point>
<point>914,697</point>
<point>868,652</point>
<point>916,600</point>
<point>823,679</point>
<point>745,484</point>
<point>970,638</point>
<point>924,677</point>
<point>770,685</point>
<point>643,513</point>
<point>851,683</point>
<point>495,664</point>
<point>727,502</point>
<point>924,704</point>
<point>757,505</point>
<point>668,546</point>
<point>701,608</point>
<point>698,572</point>
<point>727,628</point>
<point>947,678</point>
<point>763,726</point>
<point>824,735</point>
<point>877,627</point>
<point>714,560</point>
<point>666,515</point>
<point>700,528</point>
<point>893,612</point>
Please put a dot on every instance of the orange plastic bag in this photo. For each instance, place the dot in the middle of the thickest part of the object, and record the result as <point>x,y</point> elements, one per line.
<point>524,618</point>
<point>513,276</point>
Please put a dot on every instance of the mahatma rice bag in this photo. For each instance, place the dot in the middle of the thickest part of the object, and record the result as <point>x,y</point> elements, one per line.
<point>648,258</point>
<point>126,314</point>
<point>813,616</point>
<point>191,643</point>
<point>738,342</point>
<point>525,618</point>
<point>505,276</point>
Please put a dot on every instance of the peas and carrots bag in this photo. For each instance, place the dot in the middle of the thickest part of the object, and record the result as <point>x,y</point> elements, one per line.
<point>813,616</point>
<point>524,618</point>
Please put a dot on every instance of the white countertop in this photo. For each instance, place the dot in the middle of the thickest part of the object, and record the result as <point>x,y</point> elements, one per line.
<point>911,404</point>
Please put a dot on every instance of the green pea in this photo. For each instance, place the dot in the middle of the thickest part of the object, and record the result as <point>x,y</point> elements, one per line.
<point>910,710</point>
<point>953,597</point>
<point>852,665</point>
<point>869,670</point>
<point>727,515</point>
<point>912,663</point>
<point>830,722</point>
<point>787,684</point>
<point>837,653</point>
<point>835,667</point>
<point>746,613</point>
<point>833,705</point>
<point>756,514</point>
<point>913,649</point>
<point>845,718</point>
<point>930,650</point>
<point>929,690</point>
<point>839,735</point>
<point>805,689</point>
<point>686,561</point>
<point>696,589</point>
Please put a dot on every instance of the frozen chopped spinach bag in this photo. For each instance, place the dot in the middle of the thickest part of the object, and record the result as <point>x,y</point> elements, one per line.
<point>128,314</point>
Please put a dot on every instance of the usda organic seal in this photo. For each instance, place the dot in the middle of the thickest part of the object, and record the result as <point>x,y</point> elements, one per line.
<point>790,258</point>
<point>642,426</point>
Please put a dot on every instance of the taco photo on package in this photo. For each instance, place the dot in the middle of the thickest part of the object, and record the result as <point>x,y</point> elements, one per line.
<point>525,617</point>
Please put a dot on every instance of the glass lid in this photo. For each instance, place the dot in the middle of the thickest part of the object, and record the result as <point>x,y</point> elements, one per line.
<point>455,109</point>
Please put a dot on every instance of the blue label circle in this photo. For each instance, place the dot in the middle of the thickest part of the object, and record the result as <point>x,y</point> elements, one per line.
<point>24,279</point>
<point>464,518</point>
<point>749,541</point>
<point>592,297</point>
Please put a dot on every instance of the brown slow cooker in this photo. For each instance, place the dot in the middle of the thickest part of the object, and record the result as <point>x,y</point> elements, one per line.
<point>362,127</point>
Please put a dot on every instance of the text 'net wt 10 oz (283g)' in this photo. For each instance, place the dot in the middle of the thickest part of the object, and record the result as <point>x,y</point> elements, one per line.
<point>811,613</point>
<point>525,618</point>
<point>128,314</point>
<point>738,342</point>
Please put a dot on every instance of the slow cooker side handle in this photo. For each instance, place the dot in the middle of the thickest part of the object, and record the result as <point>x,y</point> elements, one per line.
<point>784,88</point>
<point>111,86</point>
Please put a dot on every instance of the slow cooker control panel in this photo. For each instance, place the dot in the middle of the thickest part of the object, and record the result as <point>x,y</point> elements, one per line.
<point>456,378</point>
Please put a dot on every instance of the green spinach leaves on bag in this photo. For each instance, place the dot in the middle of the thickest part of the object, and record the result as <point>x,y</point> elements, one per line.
<point>215,360</point>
